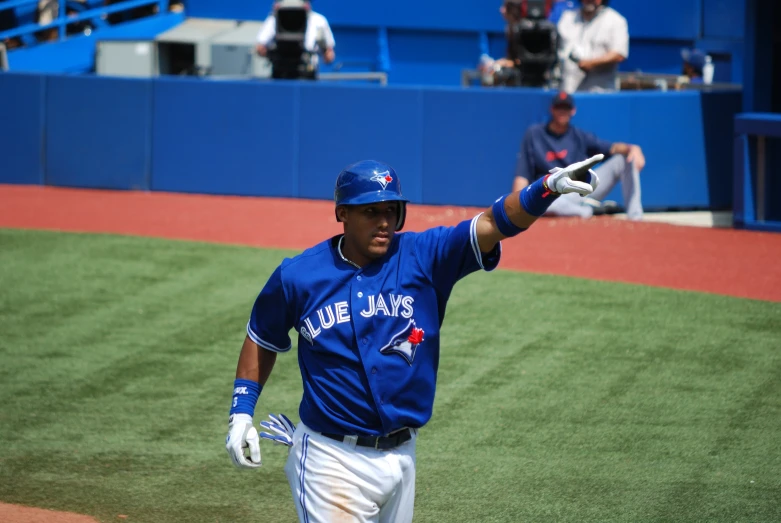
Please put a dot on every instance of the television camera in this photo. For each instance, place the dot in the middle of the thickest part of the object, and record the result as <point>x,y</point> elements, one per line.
<point>288,55</point>
<point>532,40</point>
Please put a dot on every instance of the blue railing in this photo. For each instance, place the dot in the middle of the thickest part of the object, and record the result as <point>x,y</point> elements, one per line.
<point>63,20</point>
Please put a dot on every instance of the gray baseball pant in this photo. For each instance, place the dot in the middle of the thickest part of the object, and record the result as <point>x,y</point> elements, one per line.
<point>613,170</point>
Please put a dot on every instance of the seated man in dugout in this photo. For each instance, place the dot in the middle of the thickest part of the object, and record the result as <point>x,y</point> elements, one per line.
<point>555,145</point>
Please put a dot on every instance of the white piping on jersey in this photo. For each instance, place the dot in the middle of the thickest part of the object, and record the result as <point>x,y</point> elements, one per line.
<point>262,343</point>
<point>476,244</point>
<point>339,249</point>
<point>473,240</point>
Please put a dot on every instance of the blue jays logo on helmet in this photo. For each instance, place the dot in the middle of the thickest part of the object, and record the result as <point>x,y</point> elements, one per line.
<point>370,181</point>
<point>383,178</point>
<point>405,343</point>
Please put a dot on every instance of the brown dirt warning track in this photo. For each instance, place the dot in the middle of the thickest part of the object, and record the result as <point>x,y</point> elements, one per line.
<point>19,514</point>
<point>722,261</point>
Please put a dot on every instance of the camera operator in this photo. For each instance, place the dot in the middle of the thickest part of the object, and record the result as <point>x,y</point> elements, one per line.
<point>593,41</point>
<point>531,44</point>
<point>506,70</point>
<point>317,39</point>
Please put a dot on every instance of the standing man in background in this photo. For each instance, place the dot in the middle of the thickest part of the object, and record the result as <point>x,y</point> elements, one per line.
<point>593,41</point>
<point>318,38</point>
<point>555,144</point>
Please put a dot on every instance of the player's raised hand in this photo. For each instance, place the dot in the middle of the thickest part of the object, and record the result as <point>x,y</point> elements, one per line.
<point>243,436</point>
<point>281,428</point>
<point>577,178</point>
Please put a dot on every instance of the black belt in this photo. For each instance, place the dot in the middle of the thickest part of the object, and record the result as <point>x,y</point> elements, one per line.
<point>377,442</point>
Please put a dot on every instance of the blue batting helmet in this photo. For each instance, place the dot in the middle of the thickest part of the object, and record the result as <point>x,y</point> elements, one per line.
<point>370,181</point>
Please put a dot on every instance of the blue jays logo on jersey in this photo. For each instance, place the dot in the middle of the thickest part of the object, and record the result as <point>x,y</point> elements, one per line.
<point>405,343</point>
<point>383,178</point>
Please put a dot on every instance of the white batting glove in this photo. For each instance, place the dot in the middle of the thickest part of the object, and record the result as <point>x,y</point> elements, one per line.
<point>282,429</point>
<point>577,178</point>
<point>242,435</point>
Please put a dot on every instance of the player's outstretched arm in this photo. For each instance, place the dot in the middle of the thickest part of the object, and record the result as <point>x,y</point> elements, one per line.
<point>513,213</point>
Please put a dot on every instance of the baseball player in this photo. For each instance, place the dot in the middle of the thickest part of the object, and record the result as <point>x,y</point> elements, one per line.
<point>367,306</point>
<point>557,143</point>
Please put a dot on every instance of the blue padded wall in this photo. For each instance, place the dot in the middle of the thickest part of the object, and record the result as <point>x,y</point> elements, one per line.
<point>676,173</point>
<point>608,117</point>
<point>98,132</point>
<point>470,141</point>
<point>342,125</point>
<point>451,146</point>
<point>21,135</point>
<point>224,137</point>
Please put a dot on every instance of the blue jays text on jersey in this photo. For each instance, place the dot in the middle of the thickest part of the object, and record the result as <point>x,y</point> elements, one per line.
<point>368,339</point>
<point>328,316</point>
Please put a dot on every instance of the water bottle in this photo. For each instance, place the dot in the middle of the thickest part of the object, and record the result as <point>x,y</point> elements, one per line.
<point>486,68</point>
<point>707,71</point>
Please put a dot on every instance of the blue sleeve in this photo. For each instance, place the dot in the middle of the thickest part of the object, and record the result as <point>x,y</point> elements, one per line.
<point>447,254</point>
<point>524,166</point>
<point>595,146</point>
<point>270,322</point>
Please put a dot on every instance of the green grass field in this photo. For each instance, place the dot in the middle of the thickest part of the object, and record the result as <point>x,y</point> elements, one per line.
<point>559,399</point>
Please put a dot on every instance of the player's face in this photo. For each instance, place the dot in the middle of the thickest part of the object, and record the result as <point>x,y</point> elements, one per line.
<point>368,230</point>
<point>562,115</point>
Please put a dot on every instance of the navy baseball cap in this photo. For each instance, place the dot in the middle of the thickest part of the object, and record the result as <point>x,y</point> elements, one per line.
<point>694,57</point>
<point>562,99</point>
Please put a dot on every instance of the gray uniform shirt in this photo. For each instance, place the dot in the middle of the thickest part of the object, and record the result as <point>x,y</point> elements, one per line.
<point>607,31</point>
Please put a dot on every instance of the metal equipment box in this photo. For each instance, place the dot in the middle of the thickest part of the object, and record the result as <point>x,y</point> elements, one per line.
<point>233,53</point>
<point>125,58</point>
<point>186,48</point>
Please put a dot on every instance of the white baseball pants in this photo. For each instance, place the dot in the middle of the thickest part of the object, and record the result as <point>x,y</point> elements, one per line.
<point>337,481</point>
<point>612,171</point>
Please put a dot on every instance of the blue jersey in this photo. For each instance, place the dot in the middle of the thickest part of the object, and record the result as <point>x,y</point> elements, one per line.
<point>542,150</point>
<point>368,339</point>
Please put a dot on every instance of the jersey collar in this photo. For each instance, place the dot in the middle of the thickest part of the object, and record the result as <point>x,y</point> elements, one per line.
<point>339,250</point>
